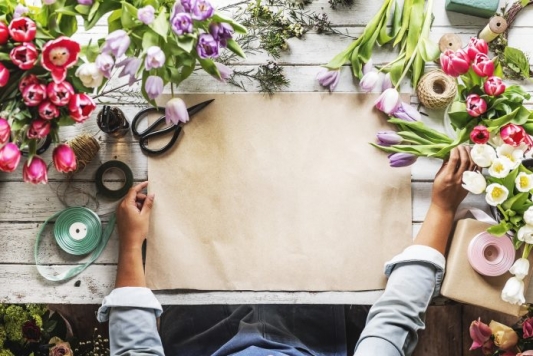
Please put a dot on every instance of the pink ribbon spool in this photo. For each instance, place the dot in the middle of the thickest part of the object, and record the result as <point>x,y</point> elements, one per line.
<point>490,255</point>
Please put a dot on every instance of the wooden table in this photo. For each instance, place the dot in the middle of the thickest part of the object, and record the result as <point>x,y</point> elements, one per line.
<point>24,207</point>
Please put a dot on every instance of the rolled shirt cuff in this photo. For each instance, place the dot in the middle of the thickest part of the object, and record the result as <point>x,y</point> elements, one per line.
<point>129,297</point>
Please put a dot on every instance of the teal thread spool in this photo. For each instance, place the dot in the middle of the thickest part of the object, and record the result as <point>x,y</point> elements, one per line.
<point>479,8</point>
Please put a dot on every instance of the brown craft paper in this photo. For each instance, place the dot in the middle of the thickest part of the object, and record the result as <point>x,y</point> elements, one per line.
<point>277,193</point>
<point>464,284</point>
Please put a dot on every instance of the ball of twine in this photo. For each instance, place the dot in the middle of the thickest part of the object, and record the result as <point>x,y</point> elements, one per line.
<point>85,148</point>
<point>436,90</point>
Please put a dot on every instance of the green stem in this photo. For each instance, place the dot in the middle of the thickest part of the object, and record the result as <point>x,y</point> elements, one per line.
<point>400,57</point>
<point>527,250</point>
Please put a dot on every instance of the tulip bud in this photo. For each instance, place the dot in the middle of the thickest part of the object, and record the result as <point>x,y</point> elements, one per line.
<point>35,172</point>
<point>146,14</point>
<point>513,292</point>
<point>104,62</point>
<point>388,101</point>
<point>476,46</point>
<point>27,80</point>
<point>328,78</point>
<point>64,159</point>
<point>34,94</point>
<point>402,159</point>
<point>504,337</point>
<point>153,86</point>
<point>9,157</point>
<point>59,93</point>
<point>527,328</point>
<point>482,65</point>
<point>475,106</point>
<point>22,29</point>
<point>520,268</point>
<point>368,67</point>
<point>388,138</point>
<point>48,111</point>
<point>155,58</point>
<point>4,75</point>
<point>455,63</point>
<point>81,107</point>
<point>39,128</point>
<point>407,113</point>
<point>5,131</point>
<point>4,33</point>
<point>482,155</point>
<point>513,134</point>
<point>117,42</point>
<point>494,86</point>
<point>474,182</point>
<point>480,333</point>
<point>479,134</point>
<point>24,56</point>
<point>224,71</point>
<point>176,111</point>
<point>369,81</point>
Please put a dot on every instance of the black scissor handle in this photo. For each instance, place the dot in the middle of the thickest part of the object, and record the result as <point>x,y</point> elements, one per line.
<point>140,115</point>
<point>143,140</point>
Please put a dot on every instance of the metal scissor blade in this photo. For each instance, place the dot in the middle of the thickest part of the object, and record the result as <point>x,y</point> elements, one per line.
<point>199,107</point>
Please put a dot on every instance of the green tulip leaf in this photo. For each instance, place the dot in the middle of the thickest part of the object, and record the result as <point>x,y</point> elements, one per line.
<point>500,229</point>
<point>356,64</point>
<point>150,38</point>
<point>521,116</point>
<point>406,13</point>
<point>186,42</point>
<point>429,50</point>
<point>161,25</point>
<point>235,48</point>
<point>396,71</point>
<point>516,57</point>
<point>416,20</point>
<point>458,115</point>
<point>503,120</point>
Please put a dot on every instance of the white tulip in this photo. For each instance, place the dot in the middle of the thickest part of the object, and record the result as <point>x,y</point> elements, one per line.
<point>474,182</point>
<point>513,292</point>
<point>90,75</point>
<point>496,194</point>
<point>524,182</point>
<point>482,155</point>
<point>520,267</point>
<point>528,216</point>
<point>513,154</point>
<point>525,233</point>
<point>500,167</point>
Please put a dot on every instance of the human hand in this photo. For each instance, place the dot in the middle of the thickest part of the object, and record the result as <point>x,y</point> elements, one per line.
<point>133,216</point>
<point>448,192</point>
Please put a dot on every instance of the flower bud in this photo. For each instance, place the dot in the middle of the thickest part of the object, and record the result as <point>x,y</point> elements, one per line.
<point>5,131</point>
<point>207,46</point>
<point>402,159</point>
<point>90,75</point>
<point>24,56</point>
<point>64,159</point>
<point>59,93</point>
<point>369,67</point>
<point>27,80</point>
<point>387,83</point>
<point>494,86</point>
<point>35,172</point>
<point>201,10</point>
<point>146,14</point>
<point>479,134</point>
<point>476,46</point>
<point>474,182</point>
<point>22,29</point>
<point>155,58</point>
<point>34,94</point>
<point>527,329</point>
<point>504,337</point>
<point>388,101</point>
<point>4,75</point>
<point>407,113</point>
<point>117,42</point>
<point>520,268</point>
<point>482,65</point>
<point>525,233</point>
<point>483,155</point>
<point>455,63</point>
<point>176,111</point>
<point>513,292</point>
<point>9,157</point>
<point>39,128</point>
<point>153,86</point>
<point>480,333</point>
<point>104,62</point>
<point>475,106</point>
<point>81,106</point>
<point>224,71</point>
<point>48,111</point>
<point>328,78</point>
<point>369,81</point>
<point>513,134</point>
<point>388,138</point>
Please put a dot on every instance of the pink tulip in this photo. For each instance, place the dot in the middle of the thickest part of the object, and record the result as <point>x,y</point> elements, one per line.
<point>4,33</point>
<point>475,106</point>
<point>526,353</point>
<point>59,93</point>
<point>64,158</point>
<point>455,63</point>
<point>388,101</point>
<point>81,107</point>
<point>479,135</point>
<point>482,65</point>
<point>176,111</point>
<point>39,128</point>
<point>22,29</point>
<point>24,56</point>
<point>328,78</point>
<point>48,111</point>
<point>513,134</point>
<point>27,80</point>
<point>34,94</point>
<point>35,172</point>
<point>369,81</point>
<point>527,328</point>
<point>5,131</point>
<point>4,75</point>
<point>480,333</point>
<point>476,46</point>
<point>494,86</point>
<point>9,157</point>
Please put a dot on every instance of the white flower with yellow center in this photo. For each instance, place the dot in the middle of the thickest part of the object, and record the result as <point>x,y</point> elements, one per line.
<point>482,155</point>
<point>524,182</point>
<point>515,155</point>
<point>496,194</point>
<point>500,167</point>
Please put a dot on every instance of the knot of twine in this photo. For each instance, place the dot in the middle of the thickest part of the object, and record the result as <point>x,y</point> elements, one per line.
<point>436,90</point>
<point>85,148</point>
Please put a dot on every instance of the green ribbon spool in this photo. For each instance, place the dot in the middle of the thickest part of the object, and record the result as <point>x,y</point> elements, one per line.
<point>78,231</point>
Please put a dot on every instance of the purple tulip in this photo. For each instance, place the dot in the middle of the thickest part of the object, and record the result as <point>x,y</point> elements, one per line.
<point>387,83</point>
<point>221,32</point>
<point>207,47</point>
<point>328,78</point>
<point>117,42</point>
<point>388,138</point>
<point>176,111</point>
<point>388,101</point>
<point>153,86</point>
<point>368,67</point>
<point>369,81</point>
<point>224,71</point>
<point>407,113</point>
<point>105,63</point>
<point>85,2</point>
<point>146,14</point>
<point>181,23</point>
<point>155,58</point>
<point>131,66</point>
<point>20,10</point>
<point>401,159</point>
<point>186,4</point>
<point>201,9</point>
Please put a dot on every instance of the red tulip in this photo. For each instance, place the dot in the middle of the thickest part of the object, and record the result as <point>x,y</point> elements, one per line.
<point>482,65</point>
<point>9,157</point>
<point>64,158</point>
<point>59,93</point>
<point>24,56</point>
<point>494,86</point>
<point>47,110</point>
<point>27,80</point>
<point>479,134</point>
<point>35,171</point>
<point>34,94</point>
<point>81,107</point>
<point>5,131</point>
<point>475,106</point>
<point>476,46</point>
<point>455,63</point>
<point>4,75</point>
<point>527,328</point>
<point>4,33</point>
<point>39,128</point>
<point>513,134</point>
<point>22,29</point>
<point>59,55</point>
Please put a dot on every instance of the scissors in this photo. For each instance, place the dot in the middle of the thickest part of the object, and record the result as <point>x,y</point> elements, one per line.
<point>152,131</point>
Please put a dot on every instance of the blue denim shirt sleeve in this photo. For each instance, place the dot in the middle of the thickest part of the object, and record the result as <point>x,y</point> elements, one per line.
<point>415,277</point>
<point>132,313</point>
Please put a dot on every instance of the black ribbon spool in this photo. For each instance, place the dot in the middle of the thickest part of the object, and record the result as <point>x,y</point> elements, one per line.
<point>42,145</point>
<point>112,121</point>
<point>109,193</point>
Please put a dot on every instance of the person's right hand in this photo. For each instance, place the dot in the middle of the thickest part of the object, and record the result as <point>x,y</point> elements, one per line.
<point>448,192</point>
<point>133,216</point>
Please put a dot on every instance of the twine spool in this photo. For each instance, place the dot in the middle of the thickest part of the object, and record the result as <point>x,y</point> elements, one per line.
<point>436,90</point>
<point>496,26</point>
<point>85,148</point>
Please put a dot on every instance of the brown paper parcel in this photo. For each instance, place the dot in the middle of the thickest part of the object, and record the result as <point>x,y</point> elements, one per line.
<point>277,193</point>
